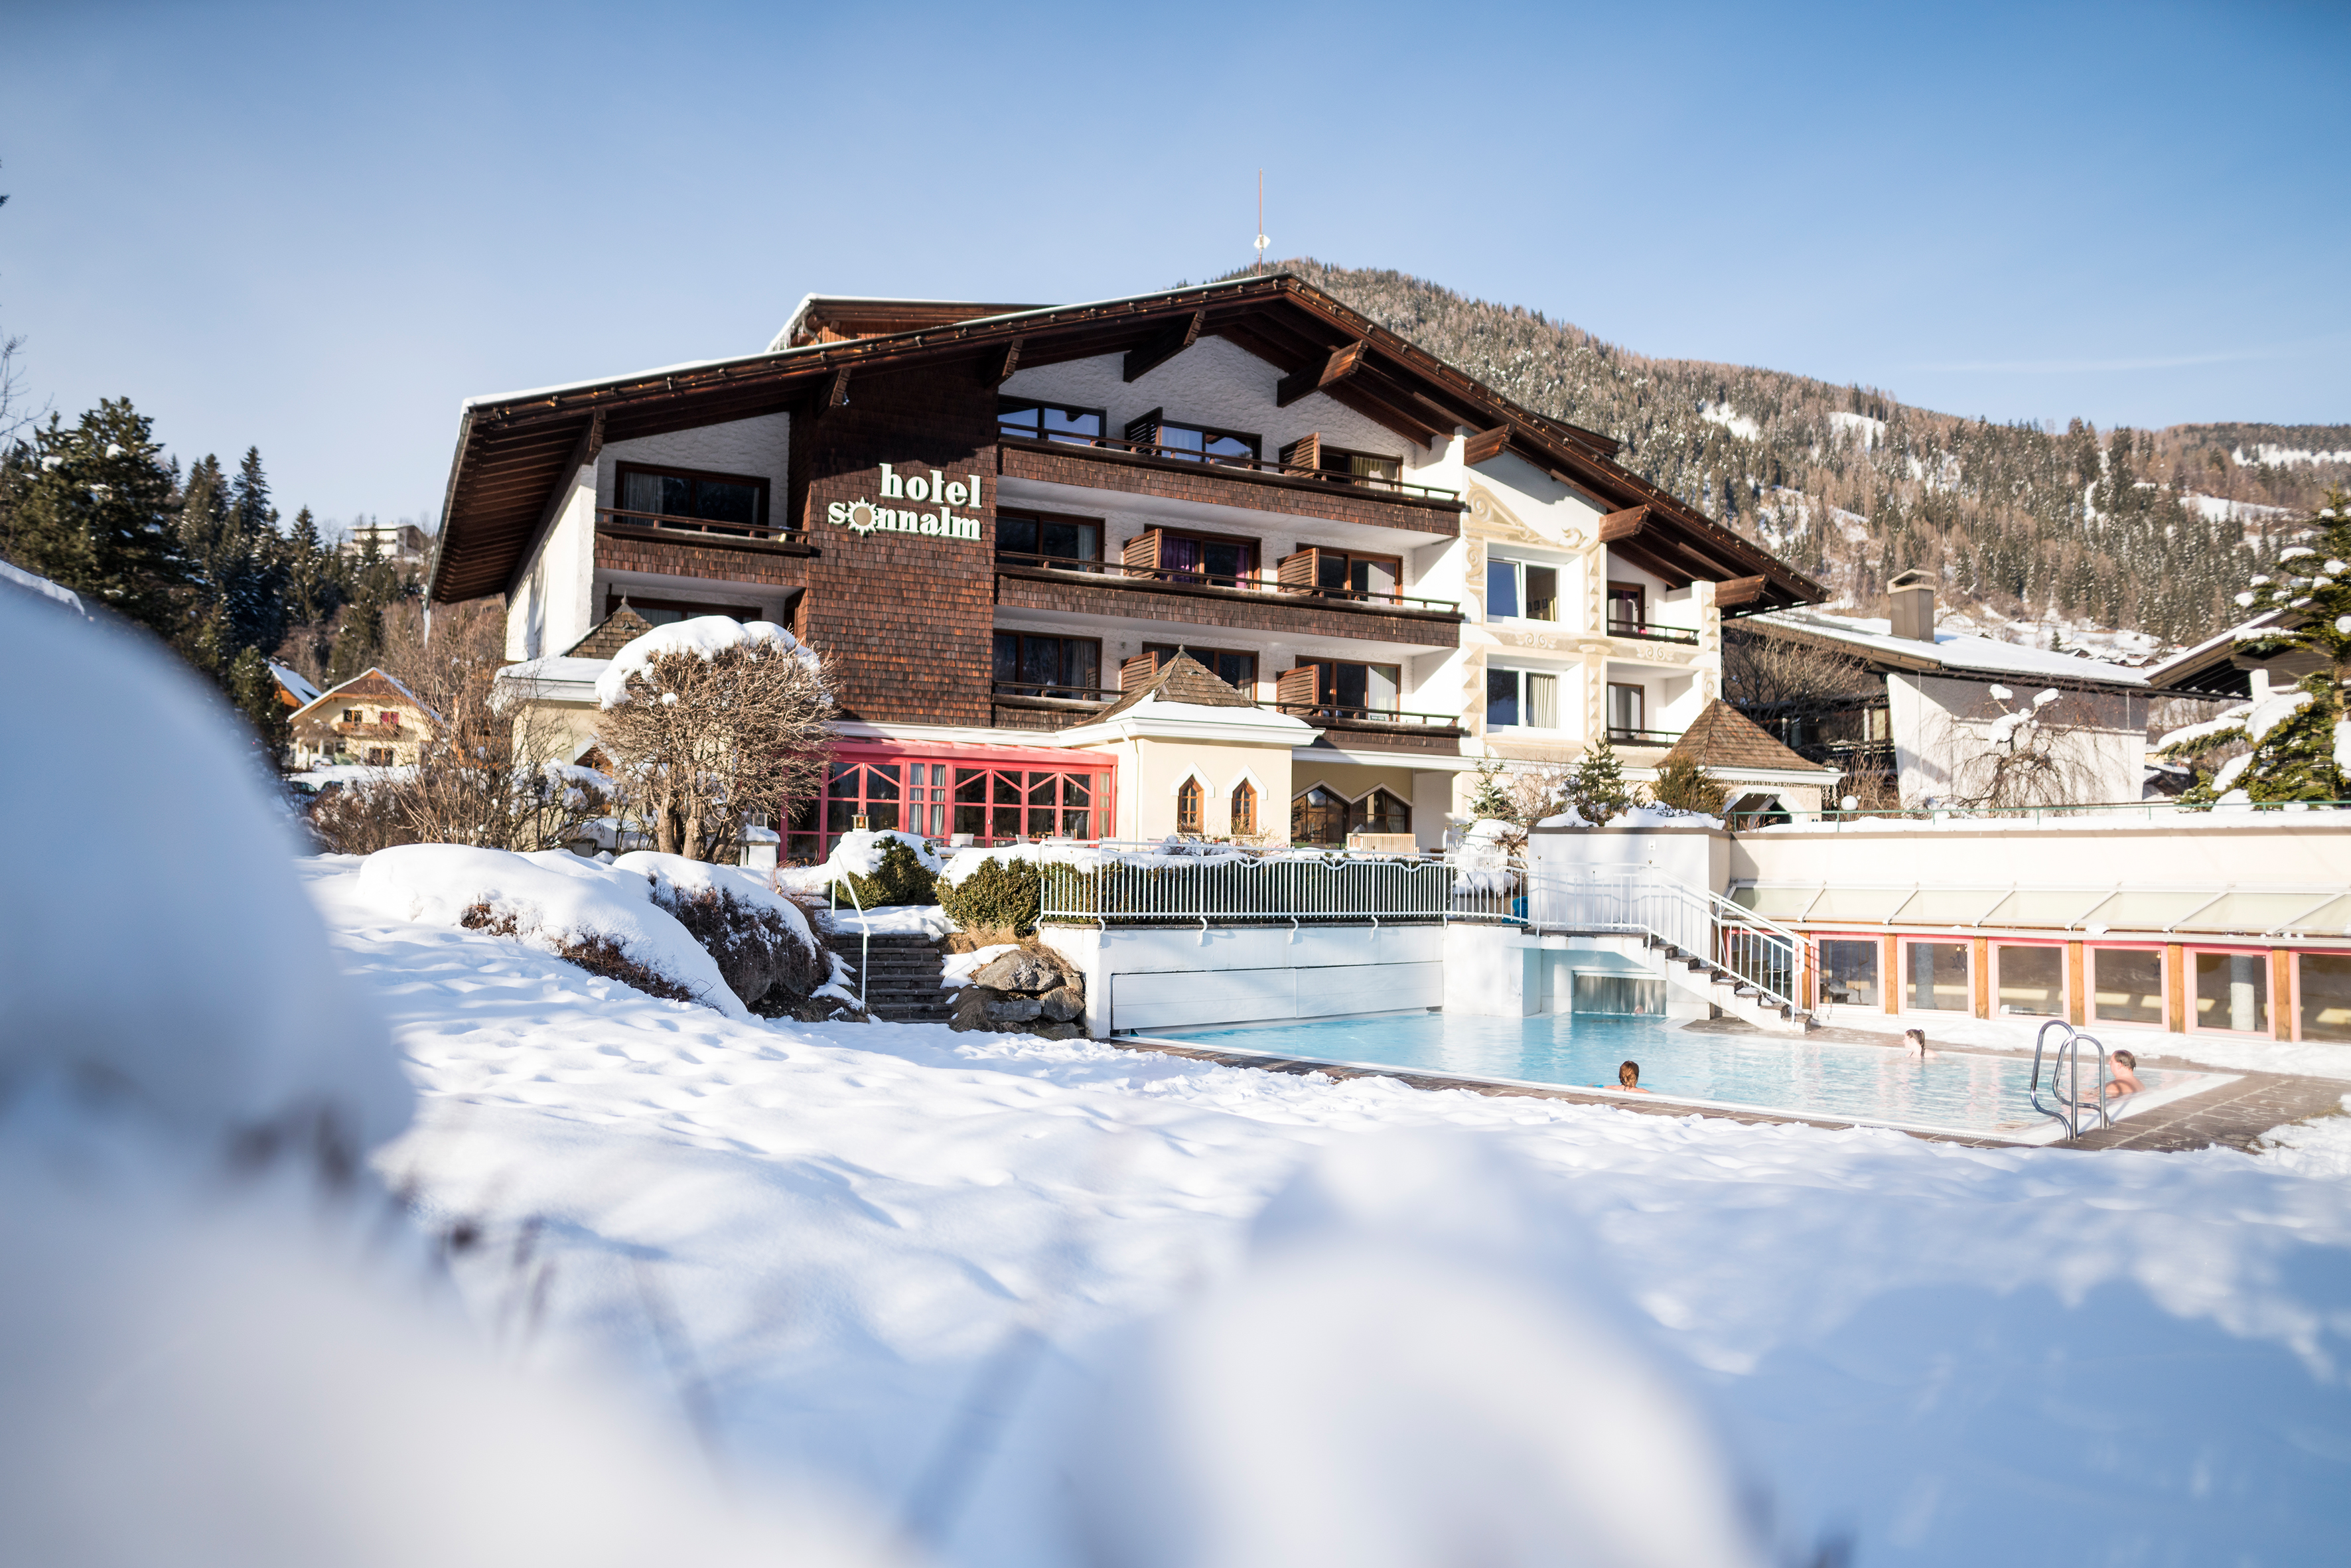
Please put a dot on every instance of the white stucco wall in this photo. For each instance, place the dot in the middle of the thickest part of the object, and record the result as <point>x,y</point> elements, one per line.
<point>2198,850</point>
<point>1177,978</point>
<point>555,605</point>
<point>1938,723</point>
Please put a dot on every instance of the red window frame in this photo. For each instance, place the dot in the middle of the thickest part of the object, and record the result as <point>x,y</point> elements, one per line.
<point>998,795</point>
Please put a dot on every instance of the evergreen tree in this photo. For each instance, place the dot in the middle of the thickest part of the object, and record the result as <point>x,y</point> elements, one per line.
<point>229,531</point>
<point>359,641</point>
<point>1598,792</point>
<point>90,508</point>
<point>1488,800</point>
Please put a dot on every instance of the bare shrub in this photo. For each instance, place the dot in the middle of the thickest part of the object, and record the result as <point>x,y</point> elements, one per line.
<point>597,954</point>
<point>701,746</point>
<point>758,952</point>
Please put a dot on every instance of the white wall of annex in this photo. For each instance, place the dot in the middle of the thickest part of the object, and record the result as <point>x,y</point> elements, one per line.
<point>1937,725</point>
<point>555,606</point>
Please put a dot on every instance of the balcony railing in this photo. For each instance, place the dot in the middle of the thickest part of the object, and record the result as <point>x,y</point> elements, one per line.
<point>1042,692</point>
<point>1339,713</point>
<point>1619,736</point>
<point>668,523</point>
<point>1248,583</point>
<point>1246,464</point>
<point>1651,632</point>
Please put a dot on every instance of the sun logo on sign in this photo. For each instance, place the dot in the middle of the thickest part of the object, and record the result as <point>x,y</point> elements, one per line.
<point>861,517</point>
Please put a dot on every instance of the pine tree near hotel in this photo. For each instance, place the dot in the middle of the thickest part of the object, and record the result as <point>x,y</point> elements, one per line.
<point>2300,737</point>
<point>90,508</point>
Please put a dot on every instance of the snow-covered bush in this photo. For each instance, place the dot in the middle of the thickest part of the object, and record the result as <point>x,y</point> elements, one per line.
<point>904,872</point>
<point>601,917</point>
<point>760,939</point>
<point>994,894</point>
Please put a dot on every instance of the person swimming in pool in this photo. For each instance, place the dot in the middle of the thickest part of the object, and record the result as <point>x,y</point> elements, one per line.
<point>2126,1075</point>
<point>1628,1078</point>
<point>1914,1045</point>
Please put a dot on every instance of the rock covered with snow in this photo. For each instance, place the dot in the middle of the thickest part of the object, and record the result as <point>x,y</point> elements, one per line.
<point>760,939</point>
<point>705,637</point>
<point>554,901</point>
<point>191,985</point>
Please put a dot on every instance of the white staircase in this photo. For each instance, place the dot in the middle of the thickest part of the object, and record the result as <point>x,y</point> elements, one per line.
<point>1740,962</point>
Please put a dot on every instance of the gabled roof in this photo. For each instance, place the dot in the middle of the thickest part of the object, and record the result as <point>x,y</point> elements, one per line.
<point>1722,736</point>
<point>293,688</point>
<point>371,683</point>
<point>1182,679</point>
<point>839,318</point>
<point>609,635</point>
<point>515,450</point>
<point>2210,668</point>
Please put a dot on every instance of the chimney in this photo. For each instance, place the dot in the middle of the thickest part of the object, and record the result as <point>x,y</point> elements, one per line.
<point>1913,593</point>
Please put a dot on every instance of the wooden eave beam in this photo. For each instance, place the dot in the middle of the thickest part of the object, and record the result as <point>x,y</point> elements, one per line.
<point>1632,553</point>
<point>996,367</point>
<point>1740,591</point>
<point>1166,346</point>
<point>1624,525</point>
<point>1485,445</point>
<point>1366,401</point>
<point>1336,366</point>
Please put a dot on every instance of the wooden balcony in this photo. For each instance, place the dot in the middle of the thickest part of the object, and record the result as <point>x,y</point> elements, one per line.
<point>1140,467</point>
<point>1248,602</point>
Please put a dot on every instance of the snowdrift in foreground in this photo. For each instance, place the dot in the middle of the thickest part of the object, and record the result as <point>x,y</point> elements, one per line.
<point>554,901</point>
<point>216,1010</point>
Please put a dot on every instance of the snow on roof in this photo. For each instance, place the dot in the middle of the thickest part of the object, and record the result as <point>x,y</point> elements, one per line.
<point>296,685</point>
<point>19,578</point>
<point>2163,675</point>
<point>370,682</point>
<point>1982,655</point>
<point>557,668</point>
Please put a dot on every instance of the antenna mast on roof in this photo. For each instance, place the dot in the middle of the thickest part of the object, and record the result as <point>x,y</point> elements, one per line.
<point>1261,241</point>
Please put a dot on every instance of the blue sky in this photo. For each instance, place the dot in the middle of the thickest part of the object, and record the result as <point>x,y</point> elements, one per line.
<point>318,230</point>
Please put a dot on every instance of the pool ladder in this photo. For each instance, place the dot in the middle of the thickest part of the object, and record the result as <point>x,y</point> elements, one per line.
<point>2070,1110</point>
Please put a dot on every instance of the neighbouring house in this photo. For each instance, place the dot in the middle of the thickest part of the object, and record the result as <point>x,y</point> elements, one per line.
<point>370,720</point>
<point>1762,780</point>
<point>1937,707</point>
<point>404,544</point>
<point>2219,668</point>
<point>293,689</point>
<point>1000,523</point>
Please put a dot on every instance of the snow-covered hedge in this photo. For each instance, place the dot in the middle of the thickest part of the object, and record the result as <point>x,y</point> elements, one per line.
<point>704,636</point>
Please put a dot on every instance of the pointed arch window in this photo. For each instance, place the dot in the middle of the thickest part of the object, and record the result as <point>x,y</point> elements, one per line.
<point>1244,810</point>
<point>1190,806</point>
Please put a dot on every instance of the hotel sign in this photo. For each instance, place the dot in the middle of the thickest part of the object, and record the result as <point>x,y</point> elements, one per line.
<point>870,517</point>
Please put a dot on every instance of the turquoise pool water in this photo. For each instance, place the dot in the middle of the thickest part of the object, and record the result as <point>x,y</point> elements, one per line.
<point>1955,1092</point>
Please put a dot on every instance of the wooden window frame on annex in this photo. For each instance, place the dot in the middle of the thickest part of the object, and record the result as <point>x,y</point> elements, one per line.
<point>1100,414</point>
<point>1520,564</point>
<point>1965,946</point>
<point>1608,602</point>
<point>1299,660</point>
<point>1322,451</point>
<point>2293,975</point>
<point>1101,527</point>
<point>1257,807</point>
<point>1877,941</point>
<point>1396,562</point>
<point>622,470</point>
<point>2090,1019</point>
<point>2067,1000</point>
<point>1352,801</point>
<point>2188,1021</point>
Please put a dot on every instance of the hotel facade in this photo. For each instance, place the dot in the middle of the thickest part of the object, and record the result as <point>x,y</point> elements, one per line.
<point>1004,524</point>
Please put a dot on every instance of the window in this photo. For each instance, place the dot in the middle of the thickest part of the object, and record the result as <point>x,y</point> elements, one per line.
<point>1190,805</point>
<point>2233,992</point>
<point>353,715</point>
<point>873,790</point>
<point>2126,985</point>
<point>1048,667</point>
<point>1628,606</point>
<point>1218,561</point>
<point>1343,571</point>
<point>1849,972</point>
<point>1002,804</point>
<point>734,503</point>
<point>1048,421</point>
<point>1520,591</point>
<point>1319,817</point>
<point>662,611</point>
<point>1355,690</point>
<point>2324,990</point>
<point>1362,464</point>
<point>1938,978</point>
<point>386,717</point>
<point>378,756</point>
<point>1196,443</point>
<point>1234,666</point>
<point>2028,981</point>
<point>1379,813</point>
<point>1627,710</point>
<point>1054,538</point>
<point>1528,698</point>
<point>926,799</point>
<point>1244,810</point>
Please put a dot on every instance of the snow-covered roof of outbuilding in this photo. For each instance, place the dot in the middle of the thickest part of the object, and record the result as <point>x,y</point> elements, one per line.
<point>1873,638</point>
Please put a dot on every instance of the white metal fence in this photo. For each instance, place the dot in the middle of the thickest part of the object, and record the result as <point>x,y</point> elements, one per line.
<point>1242,890</point>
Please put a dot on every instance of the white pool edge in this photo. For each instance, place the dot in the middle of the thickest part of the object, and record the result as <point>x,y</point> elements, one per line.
<point>2054,1131</point>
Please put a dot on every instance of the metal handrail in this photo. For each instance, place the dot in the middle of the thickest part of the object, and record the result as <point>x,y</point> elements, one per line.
<point>1342,712</point>
<point>2150,810</point>
<point>2067,1066</point>
<point>673,524</point>
<point>1244,582</point>
<point>864,931</point>
<point>1056,690</point>
<point>1643,737</point>
<point>1275,469</point>
<point>1752,949</point>
<point>1652,630</point>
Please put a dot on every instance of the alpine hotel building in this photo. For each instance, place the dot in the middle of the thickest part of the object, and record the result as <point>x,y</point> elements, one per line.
<point>1004,525</point>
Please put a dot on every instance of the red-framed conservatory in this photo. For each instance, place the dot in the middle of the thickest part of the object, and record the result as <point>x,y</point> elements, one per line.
<point>946,791</point>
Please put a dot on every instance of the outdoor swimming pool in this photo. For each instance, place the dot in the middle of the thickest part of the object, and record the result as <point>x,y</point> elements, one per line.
<point>1956,1091</point>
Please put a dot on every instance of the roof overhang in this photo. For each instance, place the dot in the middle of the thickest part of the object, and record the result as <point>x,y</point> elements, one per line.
<point>516,452</point>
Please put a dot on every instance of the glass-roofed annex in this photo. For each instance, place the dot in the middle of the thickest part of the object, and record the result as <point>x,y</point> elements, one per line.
<point>2200,925</point>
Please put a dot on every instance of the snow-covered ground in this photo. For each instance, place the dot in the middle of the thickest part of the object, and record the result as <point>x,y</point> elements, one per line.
<point>912,1261</point>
